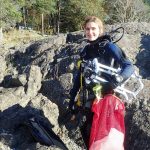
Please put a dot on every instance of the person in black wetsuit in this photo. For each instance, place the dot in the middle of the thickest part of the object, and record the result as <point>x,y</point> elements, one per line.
<point>99,46</point>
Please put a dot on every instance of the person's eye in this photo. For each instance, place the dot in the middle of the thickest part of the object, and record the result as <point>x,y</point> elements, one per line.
<point>87,29</point>
<point>93,28</point>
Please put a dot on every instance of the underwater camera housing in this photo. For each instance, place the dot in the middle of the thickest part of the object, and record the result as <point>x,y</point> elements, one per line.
<point>129,89</point>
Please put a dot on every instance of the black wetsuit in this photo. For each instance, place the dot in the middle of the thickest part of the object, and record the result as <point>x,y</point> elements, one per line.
<point>104,50</point>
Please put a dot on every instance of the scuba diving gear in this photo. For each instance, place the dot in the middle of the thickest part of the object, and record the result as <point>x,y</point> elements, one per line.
<point>91,70</point>
<point>114,36</point>
<point>119,78</point>
<point>99,73</point>
<point>97,90</point>
<point>107,52</point>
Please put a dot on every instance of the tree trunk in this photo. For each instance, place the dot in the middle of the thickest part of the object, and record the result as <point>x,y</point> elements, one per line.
<point>24,17</point>
<point>54,24</point>
<point>58,19</point>
<point>1,34</point>
<point>42,21</point>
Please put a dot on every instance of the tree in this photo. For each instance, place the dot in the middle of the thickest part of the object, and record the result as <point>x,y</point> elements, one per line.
<point>58,14</point>
<point>9,14</point>
<point>126,10</point>
<point>44,7</point>
<point>73,13</point>
<point>24,10</point>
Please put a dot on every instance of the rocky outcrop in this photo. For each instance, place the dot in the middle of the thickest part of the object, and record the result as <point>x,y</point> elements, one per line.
<point>36,79</point>
<point>2,68</point>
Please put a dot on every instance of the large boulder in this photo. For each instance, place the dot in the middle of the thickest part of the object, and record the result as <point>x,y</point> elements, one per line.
<point>34,81</point>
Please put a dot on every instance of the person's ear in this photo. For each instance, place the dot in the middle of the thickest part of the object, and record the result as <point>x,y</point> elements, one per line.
<point>100,31</point>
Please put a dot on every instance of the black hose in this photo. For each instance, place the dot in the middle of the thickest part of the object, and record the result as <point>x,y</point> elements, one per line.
<point>116,31</point>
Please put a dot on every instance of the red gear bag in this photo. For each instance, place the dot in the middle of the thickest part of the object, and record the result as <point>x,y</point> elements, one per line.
<point>108,129</point>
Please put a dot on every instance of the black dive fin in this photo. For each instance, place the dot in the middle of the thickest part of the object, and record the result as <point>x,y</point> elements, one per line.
<point>43,134</point>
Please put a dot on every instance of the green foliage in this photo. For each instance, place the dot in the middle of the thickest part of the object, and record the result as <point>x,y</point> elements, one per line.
<point>9,13</point>
<point>73,13</point>
<point>68,15</point>
<point>45,6</point>
<point>34,9</point>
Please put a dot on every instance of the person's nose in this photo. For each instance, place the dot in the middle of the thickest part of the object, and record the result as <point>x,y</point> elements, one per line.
<point>90,31</point>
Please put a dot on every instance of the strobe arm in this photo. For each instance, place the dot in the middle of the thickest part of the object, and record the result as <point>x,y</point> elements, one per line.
<point>122,89</point>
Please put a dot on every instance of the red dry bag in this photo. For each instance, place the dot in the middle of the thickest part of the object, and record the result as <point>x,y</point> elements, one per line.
<point>108,129</point>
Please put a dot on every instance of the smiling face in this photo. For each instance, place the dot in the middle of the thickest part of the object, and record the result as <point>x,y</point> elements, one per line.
<point>92,31</point>
<point>93,28</point>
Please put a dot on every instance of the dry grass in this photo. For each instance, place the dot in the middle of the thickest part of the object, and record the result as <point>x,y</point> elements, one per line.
<point>19,37</point>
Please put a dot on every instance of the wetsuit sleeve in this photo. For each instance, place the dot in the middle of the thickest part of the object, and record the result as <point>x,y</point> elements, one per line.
<point>126,66</point>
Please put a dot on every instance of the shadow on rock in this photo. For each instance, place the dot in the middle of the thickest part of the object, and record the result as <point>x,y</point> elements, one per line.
<point>22,61</point>
<point>53,90</point>
<point>143,61</point>
<point>10,82</point>
<point>13,129</point>
<point>137,129</point>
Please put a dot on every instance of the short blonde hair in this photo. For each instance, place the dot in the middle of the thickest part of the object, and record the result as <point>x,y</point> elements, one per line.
<point>96,20</point>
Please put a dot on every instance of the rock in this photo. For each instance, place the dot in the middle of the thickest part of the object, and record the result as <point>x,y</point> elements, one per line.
<point>2,68</point>
<point>4,147</point>
<point>34,81</point>
<point>66,80</point>
<point>10,81</point>
<point>75,36</point>
<point>50,109</point>
<point>12,96</point>
<point>22,79</point>
<point>42,45</point>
